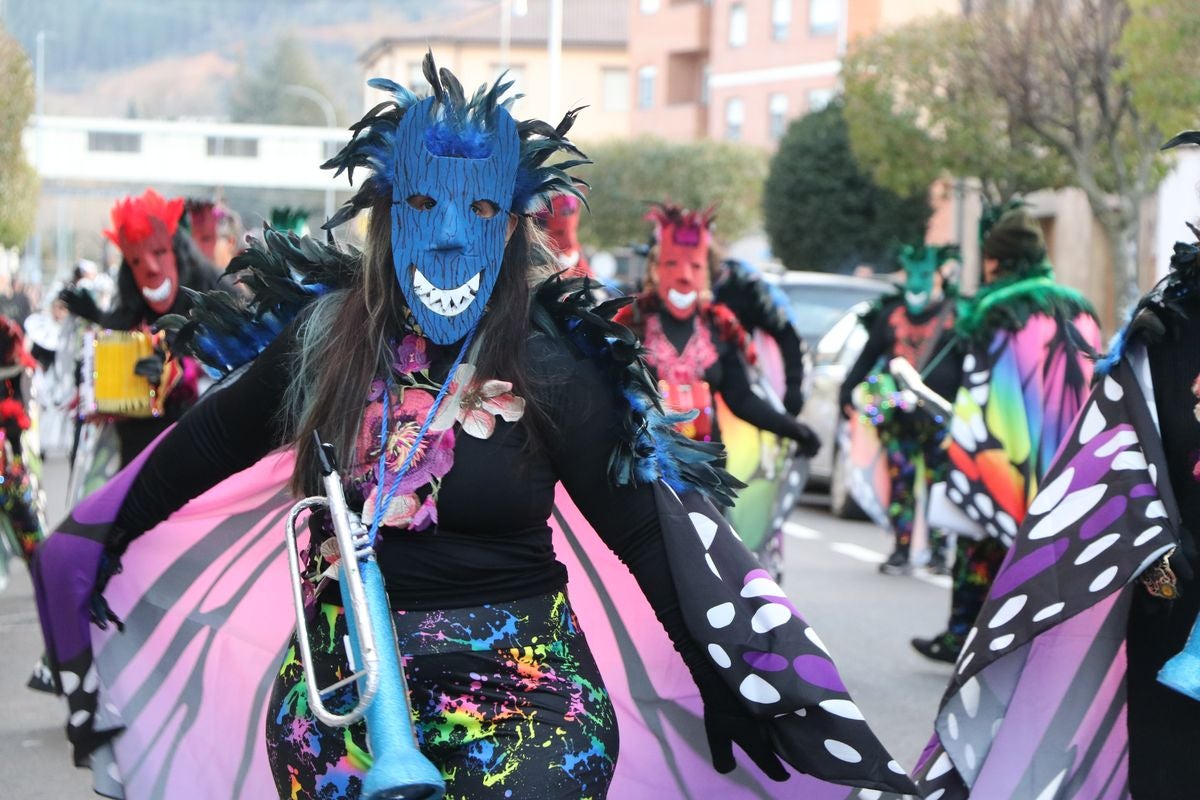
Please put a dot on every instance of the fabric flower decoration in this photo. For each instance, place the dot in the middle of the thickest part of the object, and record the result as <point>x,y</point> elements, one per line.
<point>400,512</point>
<point>475,405</point>
<point>411,355</point>
<point>433,458</point>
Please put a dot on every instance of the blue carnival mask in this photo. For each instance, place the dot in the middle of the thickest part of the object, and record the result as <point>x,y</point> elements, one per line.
<point>451,196</point>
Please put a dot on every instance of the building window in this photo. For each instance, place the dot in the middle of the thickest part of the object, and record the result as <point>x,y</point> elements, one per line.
<point>645,87</point>
<point>737,25</point>
<point>777,109</point>
<point>735,117</point>
<point>112,142</point>
<point>649,6</point>
<point>824,16</point>
<point>818,99</point>
<point>614,89</point>
<point>416,75</point>
<point>781,19</point>
<point>705,74</point>
<point>232,146</point>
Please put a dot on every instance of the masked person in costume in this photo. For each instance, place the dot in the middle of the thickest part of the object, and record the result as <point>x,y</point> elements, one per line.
<point>158,260</point>
<point>215,228</point>
<point>455,397</point>
<point>762,307</point>
<point>696,347</point>
<point>917,325</point>
<point>1072,682</point>
<point>1025,373</point>
<point>21,513</point>
<point>292,220</point>
<point>561,224</point>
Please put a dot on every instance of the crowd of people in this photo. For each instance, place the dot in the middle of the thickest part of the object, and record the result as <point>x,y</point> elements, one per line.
<point>512,452</point>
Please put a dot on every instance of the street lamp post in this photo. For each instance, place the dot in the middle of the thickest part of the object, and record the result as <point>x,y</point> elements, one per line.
<point>39,89</point>
<point>554,42</point>
<point>330,122</point>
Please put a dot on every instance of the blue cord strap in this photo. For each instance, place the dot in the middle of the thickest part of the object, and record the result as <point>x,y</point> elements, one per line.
<point>390,494</point>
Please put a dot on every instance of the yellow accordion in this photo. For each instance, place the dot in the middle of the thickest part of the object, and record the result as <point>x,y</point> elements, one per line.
<point>110,385</point>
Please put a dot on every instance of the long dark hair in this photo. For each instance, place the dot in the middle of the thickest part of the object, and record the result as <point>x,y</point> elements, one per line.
<point>344,344</point>
<point>195,272</point>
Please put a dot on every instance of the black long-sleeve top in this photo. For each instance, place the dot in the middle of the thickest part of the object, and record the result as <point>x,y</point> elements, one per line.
<point>749,297</point>
<point>729,378</point>
<point>492,542</point>
<point>944,376</point>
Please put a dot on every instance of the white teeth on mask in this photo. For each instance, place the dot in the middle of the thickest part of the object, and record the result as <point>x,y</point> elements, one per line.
<point>445,302</point>
<point>158,295</point>
<point>681,300</point>
<point>916,298</point>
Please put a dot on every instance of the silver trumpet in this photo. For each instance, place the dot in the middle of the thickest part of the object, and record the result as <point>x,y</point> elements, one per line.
<point>399,771</point>
<point>909,380</point>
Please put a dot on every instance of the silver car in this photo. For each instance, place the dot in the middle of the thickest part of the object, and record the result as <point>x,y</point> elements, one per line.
<point>827,308</point>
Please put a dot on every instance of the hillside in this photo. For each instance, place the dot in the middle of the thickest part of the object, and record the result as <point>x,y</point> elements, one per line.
<point>150,58</point>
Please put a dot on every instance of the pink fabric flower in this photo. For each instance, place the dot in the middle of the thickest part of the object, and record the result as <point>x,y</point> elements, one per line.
<point>482,403</point>
<point>475,405</point>
<point>411,355</point>
<point>427,514</point>
<point>399,513</point>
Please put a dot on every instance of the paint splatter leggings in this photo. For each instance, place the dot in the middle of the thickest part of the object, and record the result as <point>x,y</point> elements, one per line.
<point>975,567</point>
<point>905,450</point>
<point>507,703</point>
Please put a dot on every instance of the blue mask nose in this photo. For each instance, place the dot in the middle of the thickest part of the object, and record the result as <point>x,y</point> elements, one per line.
<point>451,232</point>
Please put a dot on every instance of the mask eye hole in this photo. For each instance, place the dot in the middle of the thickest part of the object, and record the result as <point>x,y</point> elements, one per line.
<point>484,209</point>
<point>421,202</point>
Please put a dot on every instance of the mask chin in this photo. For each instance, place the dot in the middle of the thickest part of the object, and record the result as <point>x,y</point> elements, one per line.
<point>680,305</point>
<point>447,303</point>
<point>916,301</point>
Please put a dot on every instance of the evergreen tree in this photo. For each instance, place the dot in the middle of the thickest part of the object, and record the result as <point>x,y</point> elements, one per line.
<point>823,211</point>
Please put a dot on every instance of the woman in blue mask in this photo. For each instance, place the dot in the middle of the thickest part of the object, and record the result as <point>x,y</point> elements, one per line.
<point>458,386</point>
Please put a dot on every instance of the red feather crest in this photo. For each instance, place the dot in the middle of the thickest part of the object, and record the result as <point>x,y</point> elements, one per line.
<point>133,217</point>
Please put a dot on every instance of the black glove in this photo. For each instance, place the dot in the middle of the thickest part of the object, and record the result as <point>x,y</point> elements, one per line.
<point>793,400</point>
<point>724,728</point>
<point>80,303</point>
<point>808,442</point>
<point>727,722</point>
<point>150,368</point>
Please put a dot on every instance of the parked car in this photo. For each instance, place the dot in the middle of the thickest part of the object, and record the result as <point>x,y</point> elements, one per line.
<point>820,300</point>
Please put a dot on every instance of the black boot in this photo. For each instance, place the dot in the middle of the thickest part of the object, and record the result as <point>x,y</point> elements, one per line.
<point>944,647</point>
<point>897,564</point>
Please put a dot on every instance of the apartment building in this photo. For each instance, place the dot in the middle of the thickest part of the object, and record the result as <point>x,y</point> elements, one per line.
<point>741,70</point>
<point>594,68</point>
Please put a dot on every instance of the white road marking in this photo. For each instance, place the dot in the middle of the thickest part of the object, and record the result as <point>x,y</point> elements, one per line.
<point>858,552</point>
<point>798,531</point>
<point>941,581</point>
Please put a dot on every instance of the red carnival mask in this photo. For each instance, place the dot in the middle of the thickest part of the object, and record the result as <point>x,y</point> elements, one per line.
<point>144,228</point>
<point>681,273</point>
<point>562,226</point>
<point>203,217</point>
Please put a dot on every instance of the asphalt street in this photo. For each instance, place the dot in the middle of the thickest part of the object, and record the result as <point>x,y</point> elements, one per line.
<point>865,618</point>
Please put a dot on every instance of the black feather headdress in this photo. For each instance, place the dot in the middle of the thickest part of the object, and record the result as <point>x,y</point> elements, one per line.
<point>468,123</point>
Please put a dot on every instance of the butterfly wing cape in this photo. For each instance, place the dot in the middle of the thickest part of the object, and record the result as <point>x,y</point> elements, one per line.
<point>1020,395</point>
<point>175,704</point>
<point>1036,705</point>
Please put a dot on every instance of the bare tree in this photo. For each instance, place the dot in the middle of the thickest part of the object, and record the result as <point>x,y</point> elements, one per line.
<point>1058,66</point>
